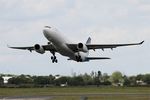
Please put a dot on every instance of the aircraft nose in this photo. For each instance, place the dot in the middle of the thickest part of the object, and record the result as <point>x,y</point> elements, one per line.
<point>45,32</point>
<point>46,29</point>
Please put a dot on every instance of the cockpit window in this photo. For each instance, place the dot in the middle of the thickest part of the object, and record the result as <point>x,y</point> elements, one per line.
<point>47,27</point>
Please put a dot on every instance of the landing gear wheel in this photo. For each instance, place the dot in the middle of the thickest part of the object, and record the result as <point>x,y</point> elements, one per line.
<point>56,60</point>
<point>52,57</point>
<point>53,61</point>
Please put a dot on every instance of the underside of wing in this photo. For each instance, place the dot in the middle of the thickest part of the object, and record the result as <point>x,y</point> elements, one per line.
<point>97,58</point>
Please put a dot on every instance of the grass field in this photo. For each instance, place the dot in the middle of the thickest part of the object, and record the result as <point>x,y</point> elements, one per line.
<point>75,93</point>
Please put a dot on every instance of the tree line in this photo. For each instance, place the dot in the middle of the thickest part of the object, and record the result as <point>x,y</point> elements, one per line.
<point>92,79</point>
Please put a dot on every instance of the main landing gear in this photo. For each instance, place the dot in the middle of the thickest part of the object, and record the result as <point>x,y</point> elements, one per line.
<point>78,58</point>
<point>53,58</point>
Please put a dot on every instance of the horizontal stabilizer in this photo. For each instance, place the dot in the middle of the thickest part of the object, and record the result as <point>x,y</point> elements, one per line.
<point>96,58</point>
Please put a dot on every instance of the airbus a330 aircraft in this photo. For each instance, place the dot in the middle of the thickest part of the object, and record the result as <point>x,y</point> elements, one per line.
<point>77,52</point>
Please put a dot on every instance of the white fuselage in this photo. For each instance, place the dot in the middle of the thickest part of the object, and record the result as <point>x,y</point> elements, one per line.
<point>60,43</point>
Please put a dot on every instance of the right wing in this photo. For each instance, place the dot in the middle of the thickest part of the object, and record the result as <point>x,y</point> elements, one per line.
<point>101,46</point>
<point>48,47</point>
<point>111,46</point>
<point>96,58</point>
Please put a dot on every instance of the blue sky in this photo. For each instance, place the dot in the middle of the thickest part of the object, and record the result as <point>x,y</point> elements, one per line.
<point>111,21</point>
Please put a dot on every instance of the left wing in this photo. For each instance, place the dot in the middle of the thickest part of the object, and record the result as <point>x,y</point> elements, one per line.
<point>48,47</point>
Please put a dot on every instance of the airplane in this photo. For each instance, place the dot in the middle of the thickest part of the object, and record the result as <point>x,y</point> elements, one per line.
<point>59,44</point>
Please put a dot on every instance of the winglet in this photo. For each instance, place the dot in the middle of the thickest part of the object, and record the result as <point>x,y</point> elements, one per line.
<point>141,42</point>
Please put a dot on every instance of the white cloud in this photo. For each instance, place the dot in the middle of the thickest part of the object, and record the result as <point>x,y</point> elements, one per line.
<point>145,8</point>
<point>33,9</point>
<point>133,2</point>
<point>99,17</point>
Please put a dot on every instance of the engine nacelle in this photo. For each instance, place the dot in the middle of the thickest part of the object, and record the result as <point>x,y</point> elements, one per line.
<point>39,49</point>
<point>82,47</point>
<point>80,56</point>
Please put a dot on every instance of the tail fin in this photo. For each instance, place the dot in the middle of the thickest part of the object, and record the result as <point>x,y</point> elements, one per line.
<point>88,41</point>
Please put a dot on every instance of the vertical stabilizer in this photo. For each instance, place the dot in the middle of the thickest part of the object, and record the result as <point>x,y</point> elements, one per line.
<point>88,41</point>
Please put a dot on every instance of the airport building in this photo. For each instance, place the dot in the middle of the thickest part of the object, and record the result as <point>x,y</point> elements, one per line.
<point>6,78</point>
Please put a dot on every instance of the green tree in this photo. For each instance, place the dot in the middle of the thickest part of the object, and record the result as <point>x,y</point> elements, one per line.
<point>139,77</point>
<point>146,79</point>
<point>87,79</point>
<point>126,80</point>
<point>99,74</point>
<point>97,79</point>
<point>76,81</point>
<point>42,80</point>
<point>116,77</point>
<point>62,80</point>
<point>132,80</point>
<point>1,81</point>
<point>105,79</point>
<point>22,79</point>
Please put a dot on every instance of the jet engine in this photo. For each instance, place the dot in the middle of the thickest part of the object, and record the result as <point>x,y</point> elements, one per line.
<point>39,49</point>
<point>82,47</point>
<point>80,56</point>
